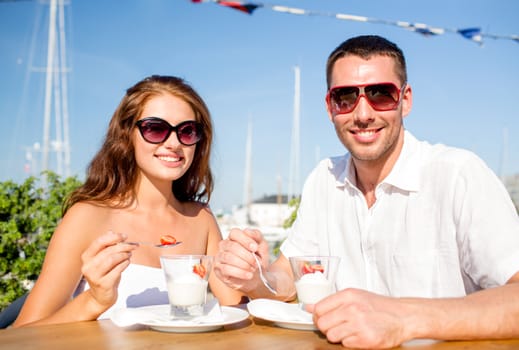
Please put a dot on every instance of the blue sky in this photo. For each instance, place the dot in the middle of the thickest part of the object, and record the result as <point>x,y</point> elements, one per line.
<point>243,66</point>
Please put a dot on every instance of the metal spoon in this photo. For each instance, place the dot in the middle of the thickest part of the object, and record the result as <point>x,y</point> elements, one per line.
<point>153,244</point>
<point>263,279</point>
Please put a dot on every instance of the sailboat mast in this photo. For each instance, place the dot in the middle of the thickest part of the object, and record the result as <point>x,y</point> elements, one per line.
<point>504,156</point>
<point>64,89</point>
<point>51,46</point>
<point>56,86</point>
<point>247,191</point>
<point>293,185</point>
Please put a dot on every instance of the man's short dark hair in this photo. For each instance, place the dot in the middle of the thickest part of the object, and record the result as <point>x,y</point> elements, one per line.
<point>367,46</point>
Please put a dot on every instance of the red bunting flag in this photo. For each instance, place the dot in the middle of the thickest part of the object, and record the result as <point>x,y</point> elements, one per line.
<point>244,7</point>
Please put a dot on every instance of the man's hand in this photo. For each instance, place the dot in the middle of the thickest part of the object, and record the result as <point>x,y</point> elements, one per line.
<point>360,319</point>
<point>235,264</point>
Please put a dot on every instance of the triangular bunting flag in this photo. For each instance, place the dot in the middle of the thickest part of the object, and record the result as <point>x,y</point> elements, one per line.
<point>247,8</point>
<point>473,34</point>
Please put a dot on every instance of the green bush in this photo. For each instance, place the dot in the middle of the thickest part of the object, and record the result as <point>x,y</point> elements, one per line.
<point>294,203</point>
<point>28,217</point>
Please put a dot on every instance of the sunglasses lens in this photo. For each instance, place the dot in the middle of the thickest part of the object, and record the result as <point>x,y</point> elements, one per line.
<point>344,99</point>
<point>382,97</point>
<point>154,130</point>
<point>189,132</point>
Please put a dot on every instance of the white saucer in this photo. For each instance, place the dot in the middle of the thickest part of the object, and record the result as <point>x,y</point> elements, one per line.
<point>285,315</point>
<point>157,317</point>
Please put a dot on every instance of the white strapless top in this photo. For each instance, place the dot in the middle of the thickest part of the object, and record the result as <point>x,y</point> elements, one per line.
<point>139,286</point>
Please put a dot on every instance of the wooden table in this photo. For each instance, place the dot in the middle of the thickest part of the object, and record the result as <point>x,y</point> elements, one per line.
<point>248,334</point>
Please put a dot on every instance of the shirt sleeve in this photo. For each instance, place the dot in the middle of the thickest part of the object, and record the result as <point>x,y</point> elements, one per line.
<point>488,226</point>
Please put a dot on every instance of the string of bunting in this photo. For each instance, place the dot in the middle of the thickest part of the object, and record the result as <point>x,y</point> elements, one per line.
<point>473,33</point>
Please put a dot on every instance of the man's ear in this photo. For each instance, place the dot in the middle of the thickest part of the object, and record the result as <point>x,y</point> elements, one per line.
<point>407,100</point>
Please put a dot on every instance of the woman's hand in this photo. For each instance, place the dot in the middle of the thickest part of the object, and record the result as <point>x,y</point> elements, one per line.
<point>103,262</point>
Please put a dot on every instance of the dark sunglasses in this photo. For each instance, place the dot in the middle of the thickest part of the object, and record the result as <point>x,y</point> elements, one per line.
<point>156,130</point>
<point>380,96</point>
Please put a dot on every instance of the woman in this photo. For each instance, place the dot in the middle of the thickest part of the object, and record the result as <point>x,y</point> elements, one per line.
<point>150,178</point>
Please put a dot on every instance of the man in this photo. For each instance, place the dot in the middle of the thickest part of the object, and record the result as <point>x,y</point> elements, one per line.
<point>428,236</point>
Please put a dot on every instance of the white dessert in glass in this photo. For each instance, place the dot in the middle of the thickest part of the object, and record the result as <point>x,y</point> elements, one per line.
<point>187,290</point>
<point>187,283</point>
<point>314,277</point>
<point>312,287</point>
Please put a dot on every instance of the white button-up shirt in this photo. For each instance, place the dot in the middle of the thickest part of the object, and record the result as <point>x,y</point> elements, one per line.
<point>443,225</point>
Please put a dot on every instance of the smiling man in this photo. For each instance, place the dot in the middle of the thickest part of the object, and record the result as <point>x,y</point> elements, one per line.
<point>427,234</point>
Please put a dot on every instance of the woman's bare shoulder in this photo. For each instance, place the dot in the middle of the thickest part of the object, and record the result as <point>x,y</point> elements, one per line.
<point>88,208</point>
<point>200,215</point>
<point>85,215</point>
<point>81,224</point>
<point>193,208</point>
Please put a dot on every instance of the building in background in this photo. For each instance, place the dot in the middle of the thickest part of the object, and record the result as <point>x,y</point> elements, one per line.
<point>512,185</point>
<point>267,214</point>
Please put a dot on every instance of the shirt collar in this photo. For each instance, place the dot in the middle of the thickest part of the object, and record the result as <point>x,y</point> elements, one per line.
<point>342,169</point>
<point>404,175</point>
<point>406,171</point>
